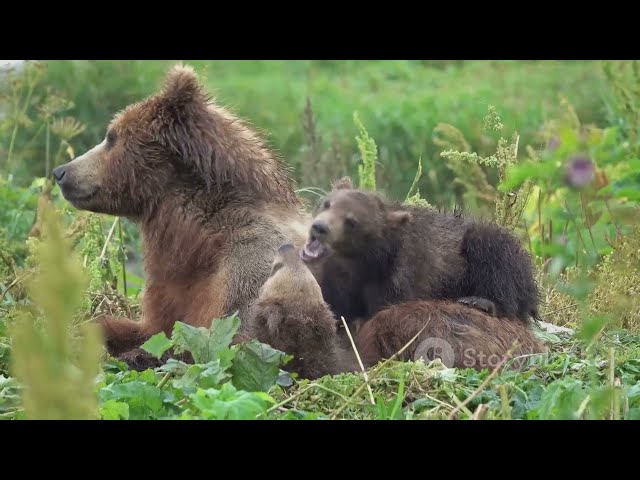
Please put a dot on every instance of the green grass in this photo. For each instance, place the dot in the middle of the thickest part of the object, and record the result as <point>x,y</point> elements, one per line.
<point>378,121</point>
<point>399,102</point>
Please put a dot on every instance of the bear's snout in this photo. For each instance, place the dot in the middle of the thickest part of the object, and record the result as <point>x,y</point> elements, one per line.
<point>58,173</point>
<point>319,229</point>
<point>76,181</point>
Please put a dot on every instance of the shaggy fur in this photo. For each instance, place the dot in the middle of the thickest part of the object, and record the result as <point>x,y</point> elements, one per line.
<point>474,339</point>
<point>291,315</point>
<point>213,204</point>
<point>369,253</point>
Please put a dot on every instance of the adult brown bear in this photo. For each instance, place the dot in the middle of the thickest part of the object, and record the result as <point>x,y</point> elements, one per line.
<point>291,315</point>
<point>213,204</point>
<point>368,253</point>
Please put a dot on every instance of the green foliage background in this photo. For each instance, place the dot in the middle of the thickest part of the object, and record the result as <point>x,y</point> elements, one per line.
<point>400,103</point>
<point>499,138</point>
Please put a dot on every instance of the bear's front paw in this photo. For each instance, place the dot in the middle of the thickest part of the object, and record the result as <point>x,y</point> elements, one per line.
<point>482,304</point>
<point>139,360</point>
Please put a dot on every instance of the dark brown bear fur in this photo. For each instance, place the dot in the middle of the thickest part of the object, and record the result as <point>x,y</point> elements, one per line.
<point>212,202</point>
<point>291,315</point>
<point>369,253</point>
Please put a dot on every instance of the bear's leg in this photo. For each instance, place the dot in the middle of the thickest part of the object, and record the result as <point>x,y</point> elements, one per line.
<point>498,268</point>
<point>122,334</point>
<point>482,304</point>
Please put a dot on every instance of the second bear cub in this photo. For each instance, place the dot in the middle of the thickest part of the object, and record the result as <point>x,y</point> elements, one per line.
<point>369,253</point>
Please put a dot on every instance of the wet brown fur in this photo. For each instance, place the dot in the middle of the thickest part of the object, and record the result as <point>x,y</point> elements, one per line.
<point>212,201</point>
<point>383,253</point>
<point>477,340</point>
<point>291,315</point>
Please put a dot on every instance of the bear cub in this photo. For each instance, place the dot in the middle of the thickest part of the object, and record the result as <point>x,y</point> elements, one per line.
<point>369,253</point>
<point>291,315</point>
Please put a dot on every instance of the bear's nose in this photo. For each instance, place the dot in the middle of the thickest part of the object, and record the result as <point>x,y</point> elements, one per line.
<point>58,172</point>
<point>319,229</point>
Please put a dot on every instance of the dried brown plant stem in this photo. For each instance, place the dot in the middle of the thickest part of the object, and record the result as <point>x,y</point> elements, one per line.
<point>13,284</point>
<point>106,242</point>
<point>364,370</point>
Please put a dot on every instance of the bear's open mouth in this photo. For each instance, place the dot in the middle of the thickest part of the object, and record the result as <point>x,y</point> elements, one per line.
<point>313,250</point>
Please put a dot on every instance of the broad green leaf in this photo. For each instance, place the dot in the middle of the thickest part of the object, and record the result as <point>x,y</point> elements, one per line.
<point>228,403</point>
<point>205,344</point>
<point>144,400</point>
<point>256,366</point>
<point>284,379</point>
<point>209,375</point>
<point>633,392</point>
<point>148,376</point>
<point>157,345</point>
<point>562,399</point>
<point>114,366</point>
<point>114,410</point>
<point>174,366</point>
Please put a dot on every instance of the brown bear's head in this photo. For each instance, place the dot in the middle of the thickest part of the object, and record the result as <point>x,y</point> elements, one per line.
<point>171,144</point>
<point>291,288</point>
<point>349,221</point>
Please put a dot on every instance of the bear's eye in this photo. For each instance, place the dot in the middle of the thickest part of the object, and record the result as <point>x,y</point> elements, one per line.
<point>350,222</point>
<point>275,268</point>
<point>327,204</point>
<point>111,138</point>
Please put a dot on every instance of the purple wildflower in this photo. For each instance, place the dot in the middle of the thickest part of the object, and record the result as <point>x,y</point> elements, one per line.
<point>580,171</point>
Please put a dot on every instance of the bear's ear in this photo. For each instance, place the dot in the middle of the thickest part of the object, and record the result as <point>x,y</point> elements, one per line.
<point>399,217</point>
<point>181,120</point>
<point>343,183</point>
<point>181,87</point>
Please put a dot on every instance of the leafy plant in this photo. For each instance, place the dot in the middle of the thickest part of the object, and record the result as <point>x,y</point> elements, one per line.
<point>509,202</point>
<point>369,156</point>
<point>56,370</point>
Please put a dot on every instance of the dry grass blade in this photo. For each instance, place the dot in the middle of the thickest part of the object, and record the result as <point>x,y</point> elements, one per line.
<point>106,242</point>
<point>364,370</point>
